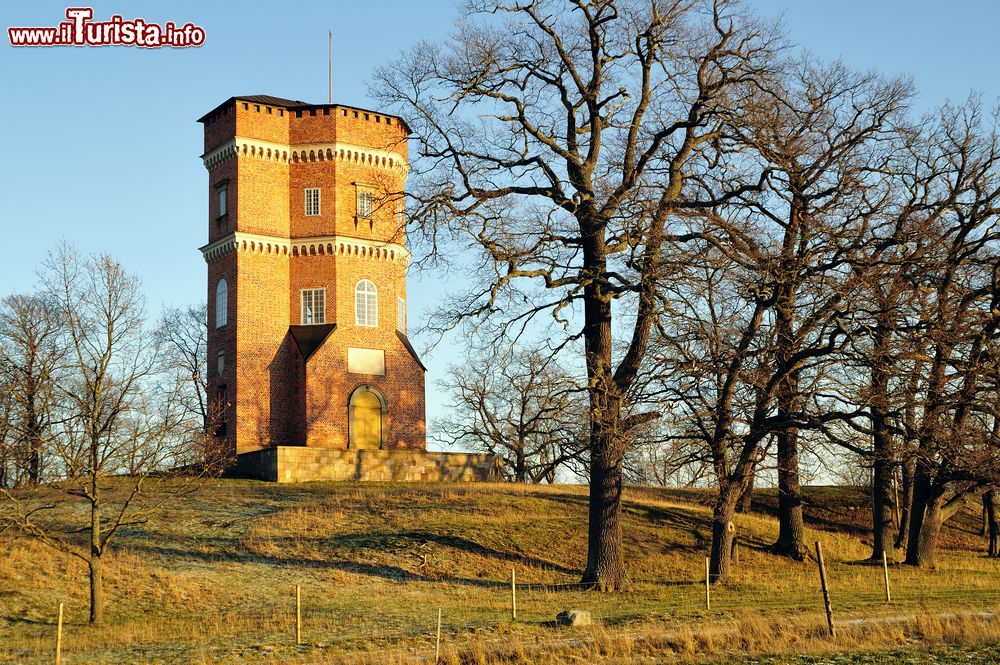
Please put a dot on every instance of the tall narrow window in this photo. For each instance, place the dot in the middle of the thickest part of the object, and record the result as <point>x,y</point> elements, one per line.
<point>364,203</point>
<point>313,306</point>
<point>223,202</point>
<point>220,410</point>
<point>220,363</point>
<point>312,202</point>
<point>401,315</point>
<point>366,304</point>
<point>221,303</point>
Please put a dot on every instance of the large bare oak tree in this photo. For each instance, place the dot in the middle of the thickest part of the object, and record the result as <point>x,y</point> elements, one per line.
<point>560,139</point>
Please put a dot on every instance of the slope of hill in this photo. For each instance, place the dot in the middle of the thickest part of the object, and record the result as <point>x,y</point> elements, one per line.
<point>211,577</point>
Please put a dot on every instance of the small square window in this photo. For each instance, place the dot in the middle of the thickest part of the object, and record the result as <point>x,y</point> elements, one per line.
<point>313,306</point>
<point>312,202</point>
<point>365,200</point>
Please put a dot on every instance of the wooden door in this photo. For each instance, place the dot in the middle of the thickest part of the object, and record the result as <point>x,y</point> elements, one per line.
<point>367,434</point>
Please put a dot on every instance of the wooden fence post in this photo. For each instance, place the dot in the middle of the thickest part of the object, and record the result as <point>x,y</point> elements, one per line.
<point>298,615</point>
<point>826,589</point>
<point>708,586</point>
<point>885,573</point>
<point>513,596</point>
<point>437,647</point>
<point>59,636</point>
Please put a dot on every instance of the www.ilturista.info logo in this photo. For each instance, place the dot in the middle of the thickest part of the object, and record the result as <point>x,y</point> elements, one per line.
<point>80,30</point>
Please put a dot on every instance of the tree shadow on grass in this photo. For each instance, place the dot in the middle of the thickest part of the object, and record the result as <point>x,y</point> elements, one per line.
<point>233,550</point>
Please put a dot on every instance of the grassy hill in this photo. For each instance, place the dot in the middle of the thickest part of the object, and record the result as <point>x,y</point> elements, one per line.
<point>211,579</point>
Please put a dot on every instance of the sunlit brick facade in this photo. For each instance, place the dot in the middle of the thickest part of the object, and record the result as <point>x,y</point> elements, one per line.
<point>307,278</point>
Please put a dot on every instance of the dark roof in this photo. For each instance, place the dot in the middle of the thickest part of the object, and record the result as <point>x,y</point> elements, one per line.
<point>409,347</point>
<point>310,338</point>
<point>273,101</point>
<point>294,104</point>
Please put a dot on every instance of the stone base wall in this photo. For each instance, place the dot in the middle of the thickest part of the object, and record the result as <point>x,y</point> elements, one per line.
<point>296,464</point>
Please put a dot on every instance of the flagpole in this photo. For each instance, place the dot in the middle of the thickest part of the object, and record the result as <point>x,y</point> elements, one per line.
<point>330,35</point>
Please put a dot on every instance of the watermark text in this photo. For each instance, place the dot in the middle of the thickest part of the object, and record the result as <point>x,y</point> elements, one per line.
<point>81,30</point>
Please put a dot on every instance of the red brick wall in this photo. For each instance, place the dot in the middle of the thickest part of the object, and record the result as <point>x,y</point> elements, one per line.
<point>310,272</point>
<point>265,372</point>
<point>277,399</point>
<point>223,339</point>
<point>225,173</point>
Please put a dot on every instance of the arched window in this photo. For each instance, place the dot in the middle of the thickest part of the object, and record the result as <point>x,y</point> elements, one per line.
<point>366,304</point>
<point>221,303</point>
<point>367,413</point>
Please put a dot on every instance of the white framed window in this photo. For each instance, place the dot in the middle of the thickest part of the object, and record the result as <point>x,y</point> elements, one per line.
<point>223,201</point>
<point>312,201</point>
<point>366,304</point>
<point>401,315</point>
<point>221,303</point>
<point>313,306</point>
<point>220,363</point>
<point>365,203</point>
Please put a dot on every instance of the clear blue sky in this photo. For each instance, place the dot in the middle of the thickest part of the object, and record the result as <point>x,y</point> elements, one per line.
<point>100,145</point>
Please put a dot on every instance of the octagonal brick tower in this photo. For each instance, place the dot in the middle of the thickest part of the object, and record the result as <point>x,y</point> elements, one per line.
<point>307,278</point>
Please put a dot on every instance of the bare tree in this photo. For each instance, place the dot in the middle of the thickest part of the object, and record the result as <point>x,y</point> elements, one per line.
<point>8,450</point>
<point>183,340</point>
<point>828,134</point>
<point>116,418</point>
<point>29,331</point>
<point>759,310</point>
<point>523,408</point>
<point>955,430</point>
<point>561,139</point>
<point>709,365</point>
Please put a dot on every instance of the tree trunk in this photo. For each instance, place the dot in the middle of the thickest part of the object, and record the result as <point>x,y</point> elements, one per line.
<point>520,465</point>
<point>720,562</point>
<point>791,529</point>
<point>605,559</point>
<point>985,526</point>
<point>96,567</point>
<point>991,500</point>
<point>34,435</point>
<point>745,503</point>
<point>96,548</point>
<point>929,532</point>
<point>882,536</point>
<point>906,499</point>
<point>925,519</point>
<point>884,459</point>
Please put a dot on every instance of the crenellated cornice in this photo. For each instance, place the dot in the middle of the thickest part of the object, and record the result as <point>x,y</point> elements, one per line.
<point>311,152</point>
<point>318,245</point>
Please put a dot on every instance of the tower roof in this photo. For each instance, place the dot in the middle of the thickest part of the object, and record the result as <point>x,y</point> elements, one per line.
<point>294,104</point>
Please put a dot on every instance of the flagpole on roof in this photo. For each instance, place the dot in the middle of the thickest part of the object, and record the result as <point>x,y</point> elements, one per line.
<point>330,36</point>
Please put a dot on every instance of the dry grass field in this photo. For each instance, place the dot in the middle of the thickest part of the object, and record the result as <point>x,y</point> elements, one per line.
<point>210,579</point>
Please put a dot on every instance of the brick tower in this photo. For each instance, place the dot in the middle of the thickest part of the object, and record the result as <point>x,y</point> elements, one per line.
<point>307,280</point>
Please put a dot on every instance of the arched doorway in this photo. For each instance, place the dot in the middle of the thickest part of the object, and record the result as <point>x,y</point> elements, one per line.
<point>367,411</point>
